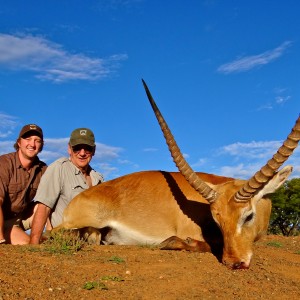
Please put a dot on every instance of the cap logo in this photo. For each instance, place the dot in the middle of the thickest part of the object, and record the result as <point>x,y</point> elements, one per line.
<point>82,132</point>
<point>32,127</point>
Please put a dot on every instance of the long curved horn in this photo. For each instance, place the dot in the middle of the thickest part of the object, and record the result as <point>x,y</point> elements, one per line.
<point>268,171</point>
<point>199,185</point>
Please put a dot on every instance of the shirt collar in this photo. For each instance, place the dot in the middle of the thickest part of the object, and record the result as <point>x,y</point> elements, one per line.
<point>77,170</point>
<point>36,161</point>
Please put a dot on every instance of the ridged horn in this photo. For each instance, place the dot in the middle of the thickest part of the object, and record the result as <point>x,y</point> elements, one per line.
<point>199,185</point>
<point>267,172</point>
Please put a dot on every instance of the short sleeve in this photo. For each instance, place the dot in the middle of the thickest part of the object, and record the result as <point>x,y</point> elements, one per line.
<point>97,177</point>
<point>50,185</point>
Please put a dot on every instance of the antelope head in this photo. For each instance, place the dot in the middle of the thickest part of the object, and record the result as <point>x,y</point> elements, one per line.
<point>238,207</point>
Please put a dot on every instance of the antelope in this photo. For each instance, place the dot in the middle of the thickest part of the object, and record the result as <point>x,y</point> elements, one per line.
<point>184,210</point>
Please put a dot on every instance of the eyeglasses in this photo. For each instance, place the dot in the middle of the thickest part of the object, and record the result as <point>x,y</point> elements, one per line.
<point>87,149</point>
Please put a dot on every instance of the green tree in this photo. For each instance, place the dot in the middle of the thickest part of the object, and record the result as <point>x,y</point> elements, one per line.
<point>285,216</point>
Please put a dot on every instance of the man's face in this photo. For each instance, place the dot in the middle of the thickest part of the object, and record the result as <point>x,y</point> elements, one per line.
<point>30,146</point>
<point>81,155</point>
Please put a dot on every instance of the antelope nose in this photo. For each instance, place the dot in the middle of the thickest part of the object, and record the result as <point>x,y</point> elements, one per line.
<point>236,265</point>
<point>240,265</point>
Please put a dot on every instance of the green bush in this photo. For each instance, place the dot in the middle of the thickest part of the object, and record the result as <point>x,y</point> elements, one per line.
<point>285,216</point>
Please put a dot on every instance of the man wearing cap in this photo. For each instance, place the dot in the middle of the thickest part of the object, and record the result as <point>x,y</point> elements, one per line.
<point>20,175</point>
<point>64,179</point>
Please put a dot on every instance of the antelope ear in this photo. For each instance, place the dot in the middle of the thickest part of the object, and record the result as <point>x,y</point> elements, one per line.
<point>274,183</point>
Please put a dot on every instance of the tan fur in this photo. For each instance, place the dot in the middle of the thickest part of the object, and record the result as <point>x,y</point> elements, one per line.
<point>150,207</point>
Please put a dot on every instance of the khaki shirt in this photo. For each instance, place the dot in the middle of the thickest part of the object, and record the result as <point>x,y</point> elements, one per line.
<point>17,186</point>
<point>60,184</point>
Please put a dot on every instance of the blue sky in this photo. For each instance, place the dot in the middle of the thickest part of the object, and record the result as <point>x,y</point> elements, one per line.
<point>225,75</point>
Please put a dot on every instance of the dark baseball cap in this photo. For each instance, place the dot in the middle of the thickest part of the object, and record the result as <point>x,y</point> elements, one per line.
<point>82,136</point>
<point>31,128</point>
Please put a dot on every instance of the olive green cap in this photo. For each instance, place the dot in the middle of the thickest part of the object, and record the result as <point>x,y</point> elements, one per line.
<point>82,136</point>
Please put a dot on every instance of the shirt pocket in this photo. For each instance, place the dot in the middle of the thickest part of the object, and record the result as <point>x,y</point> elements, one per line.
<point>15,189</point>
<point>75,190</point>
<point>16,201</point>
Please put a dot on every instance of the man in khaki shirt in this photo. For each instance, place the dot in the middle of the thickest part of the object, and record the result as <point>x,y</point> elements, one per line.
<point>20,174</point>
<point>64,179</point>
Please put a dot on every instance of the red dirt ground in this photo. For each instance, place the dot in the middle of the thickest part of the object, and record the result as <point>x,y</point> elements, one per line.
<point>128,272</point>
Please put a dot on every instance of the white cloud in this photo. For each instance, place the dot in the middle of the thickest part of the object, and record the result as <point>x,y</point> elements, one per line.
<point>252,61</point>
<point>252,150</point>
<point>7,125</point>
<point>201,162</point>
<point>55,148</point>
<point>7,147</point>
<point>241,170</point>
<point>247,158</point>
<point>49,61</point>
<point>282,99</point>
<point>185,155</point>
<point>105,152</point>
<point>105,160</point>
<point>268,106</point>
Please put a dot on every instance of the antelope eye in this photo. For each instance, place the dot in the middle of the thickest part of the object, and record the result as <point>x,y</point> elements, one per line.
<point>249,218</point>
